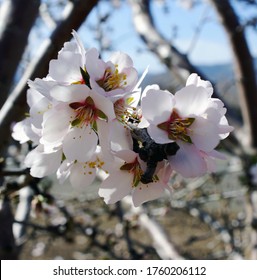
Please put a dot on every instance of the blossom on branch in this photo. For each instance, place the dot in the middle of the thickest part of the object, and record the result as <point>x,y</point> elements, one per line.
<point>88,116</point>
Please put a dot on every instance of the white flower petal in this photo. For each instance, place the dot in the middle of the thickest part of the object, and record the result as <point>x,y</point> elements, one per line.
<point>43,164</point>
<point>103,104</point>
<point>71,93</point>
<point>143,193</point>
<point>204,134</point>
<point>158,135</point>
<point>157,106</point>
<point>66,69</point>
<point>37,110</point>
<point>56,124</point>
<point>18,131</point>
<point>80,144</point>
<point>116,186</point>
<point>63,171</point>
<point>81,175</point>
<point>191,100</point>
<point>194,79</point>
<point>95,66</point>
<point>122,60</point>
<point>120,136</point>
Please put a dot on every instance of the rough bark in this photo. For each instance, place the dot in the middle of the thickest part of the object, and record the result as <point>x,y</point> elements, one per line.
<point>14,31</point>
<point>244,69</point>
<point>15,106</point>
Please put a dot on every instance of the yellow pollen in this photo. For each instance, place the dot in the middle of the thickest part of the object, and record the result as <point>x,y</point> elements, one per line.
<point>112,79</point>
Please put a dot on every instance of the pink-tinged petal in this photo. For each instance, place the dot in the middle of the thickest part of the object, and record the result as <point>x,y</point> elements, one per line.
<point>143,193</point>
<point>157,106</point>
<point>191,100</point>
<point>204,134</point>
<point>43,164</point>
<point>165,172</point>
<point>71,93</point>
<point>116,186</point>
<point>160,136</point>
<point>56,124</point>
<point>80,144</point>
<point>188,161</point>
<point>216,154</point>
<point>211,158</point>
<point>81,175</point>
<point>66,69</point>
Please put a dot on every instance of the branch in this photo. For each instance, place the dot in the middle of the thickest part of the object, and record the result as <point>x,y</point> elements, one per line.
<point>244,68</point>
<point>15,106</point>
<point>161,242</point>
<point>16,23</point>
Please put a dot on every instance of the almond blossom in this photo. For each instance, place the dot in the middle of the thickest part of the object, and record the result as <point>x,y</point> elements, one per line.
<point>191,118</point>
<point>126,179</point>
<point>73,123</point>
<point>114,77</point>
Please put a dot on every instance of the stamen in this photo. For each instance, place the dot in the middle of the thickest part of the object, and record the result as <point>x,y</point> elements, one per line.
<point>86,113</point>
<point>112,79</point>
<point>177,127</point>
<point>135,169</point>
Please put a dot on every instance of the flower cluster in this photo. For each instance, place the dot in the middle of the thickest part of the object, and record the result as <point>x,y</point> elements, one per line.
<point>88,115</point>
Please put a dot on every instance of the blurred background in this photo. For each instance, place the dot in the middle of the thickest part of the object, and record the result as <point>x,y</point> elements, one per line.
<point>212,217</point>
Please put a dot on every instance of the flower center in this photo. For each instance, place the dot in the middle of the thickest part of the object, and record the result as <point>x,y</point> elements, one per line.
<point>112,79</point>
<point>177,127</point>
<point>86,113</point>
<point>135,169</point>
<point>124,111</point>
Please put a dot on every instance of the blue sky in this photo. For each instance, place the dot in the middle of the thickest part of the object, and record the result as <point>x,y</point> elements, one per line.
<point>211,47</point>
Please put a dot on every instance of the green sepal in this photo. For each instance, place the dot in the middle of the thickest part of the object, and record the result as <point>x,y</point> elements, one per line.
<point>127,166</point>
<point>163,126</point>
<point>75,105</point>
<point>94,126</point>
<point>136,181</point>
<point>101,115</point>
<point>75,122</point>
<point>85,77</point>
<point>63,157</point>
<point>89,100</point>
